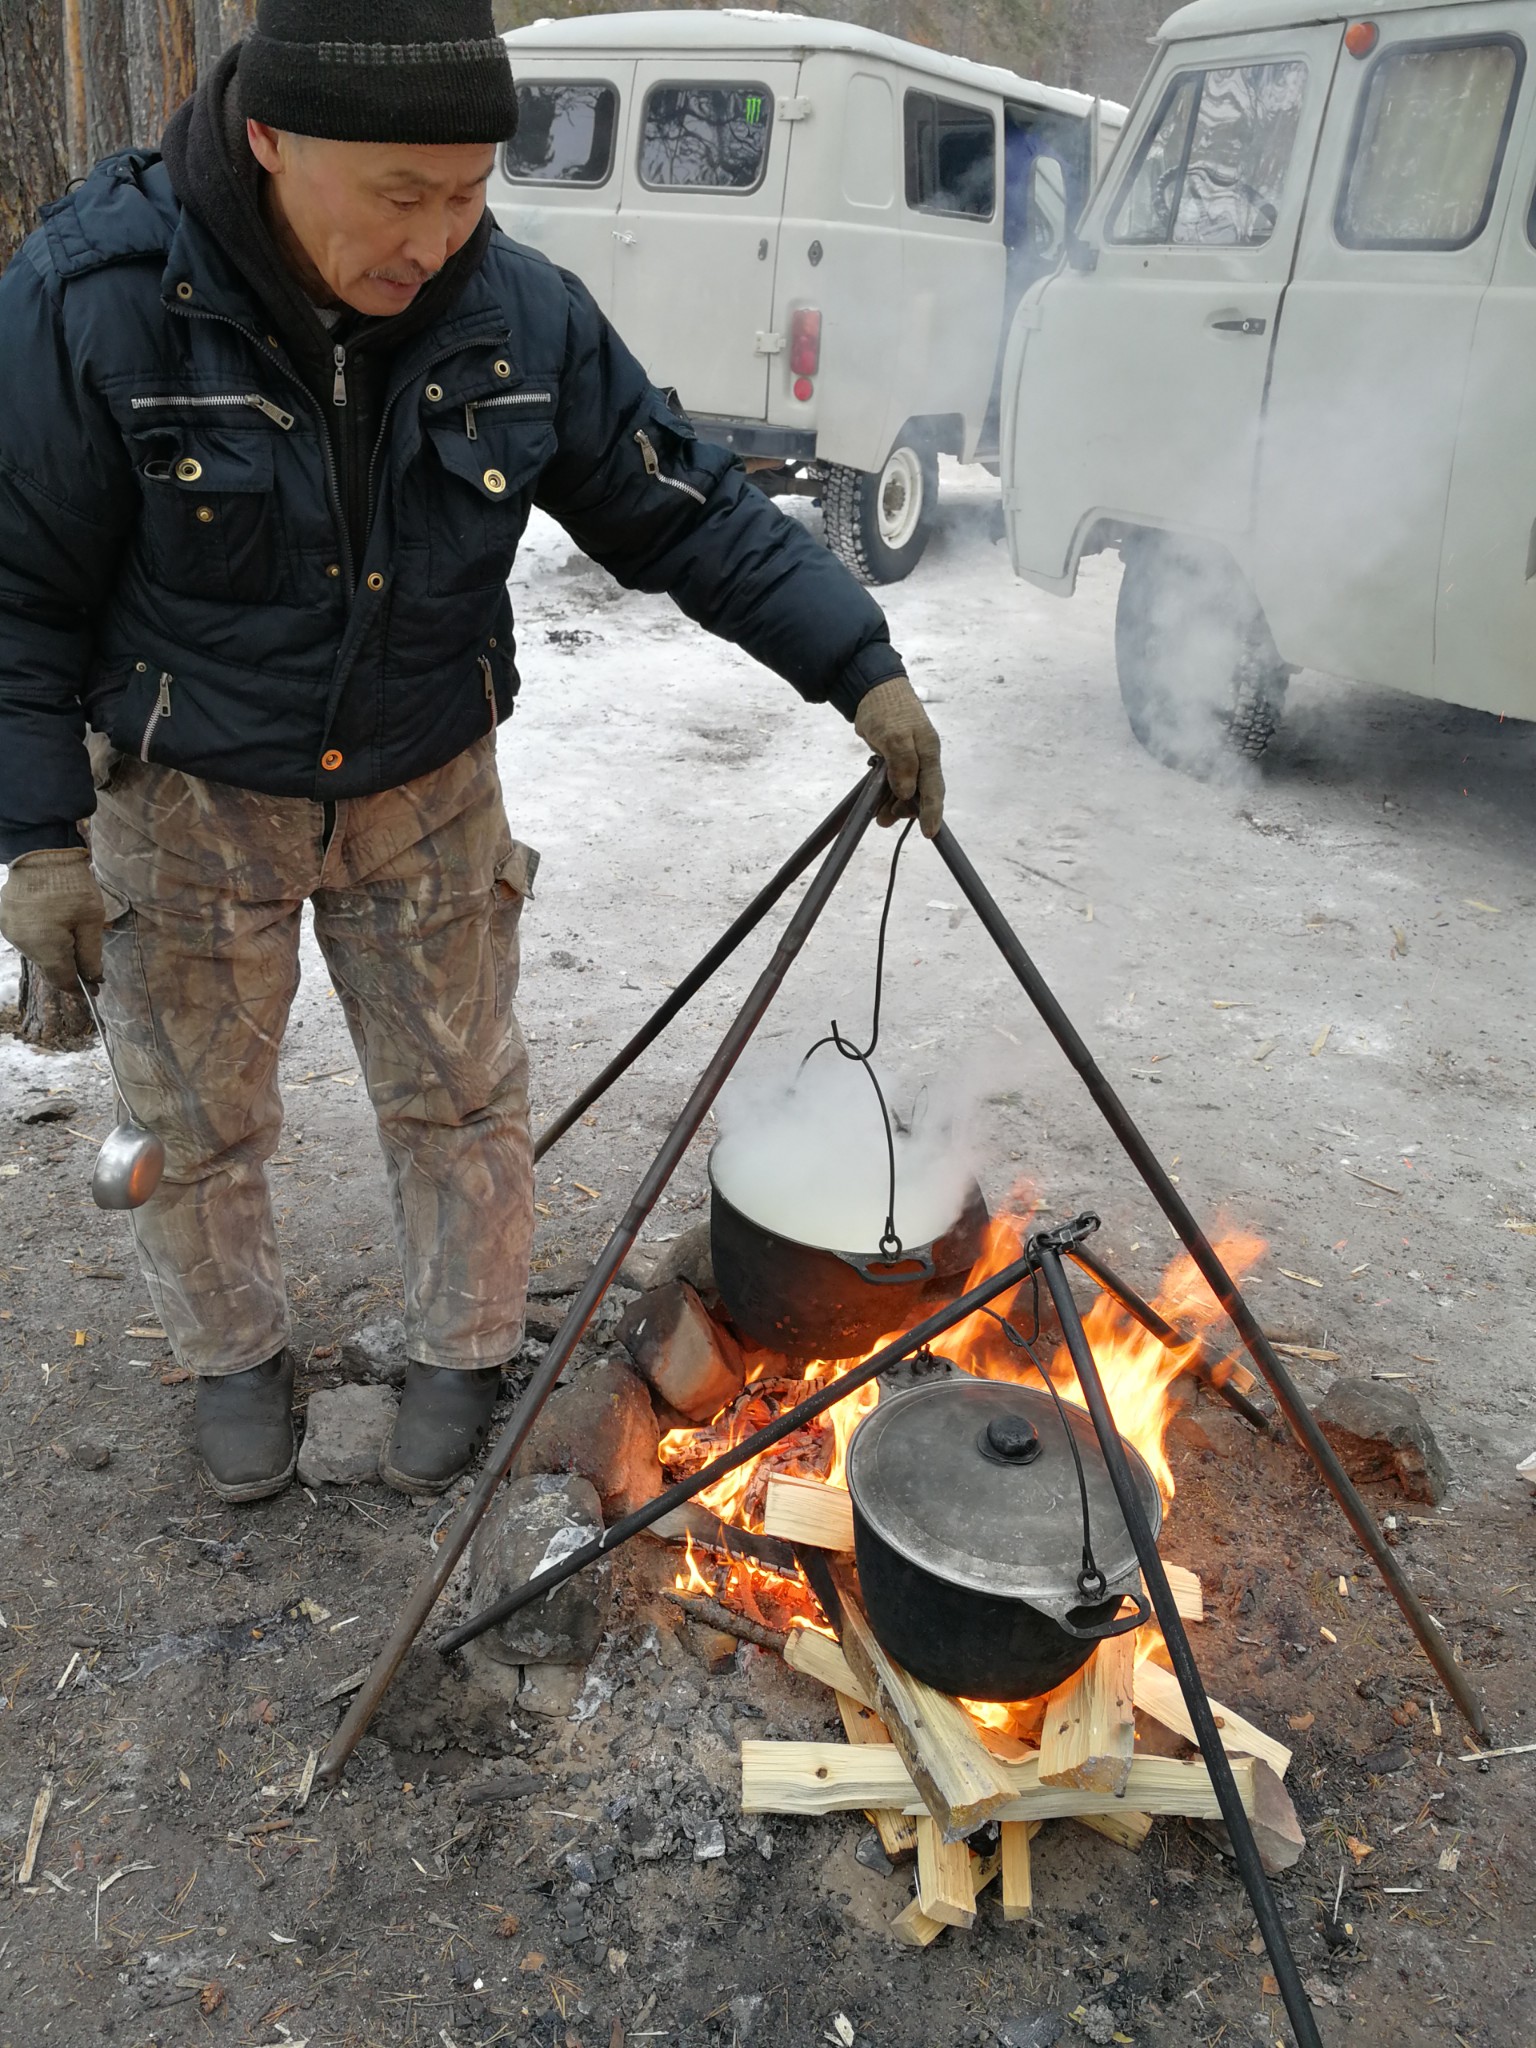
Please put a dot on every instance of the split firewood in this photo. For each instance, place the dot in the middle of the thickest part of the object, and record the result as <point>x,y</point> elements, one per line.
<point>1127,1830</point>
<point>913,1928</point>
<point>1188,1593</point>
<point>1018,1888</point>
<point>809,1511</point>
<point>828,1777</point>
<point>962,1783</point>
<point>1089,1731</point>
<point>1276,1829</point>
<point>1157,1693</point>
<point>40,1808</point>
<point>861,1724</point>
<point>946,1883</point>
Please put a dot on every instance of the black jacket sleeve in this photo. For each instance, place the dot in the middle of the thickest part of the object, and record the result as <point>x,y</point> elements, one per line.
<point>66,500</point>
<point>664,511</point>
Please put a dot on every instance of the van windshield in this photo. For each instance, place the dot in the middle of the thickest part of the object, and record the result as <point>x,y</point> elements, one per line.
<point>564,134</point>
<point>715,135</point>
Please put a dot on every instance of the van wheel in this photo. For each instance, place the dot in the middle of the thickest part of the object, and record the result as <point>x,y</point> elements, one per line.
<point>877,524</point>
<point>1200,676</point>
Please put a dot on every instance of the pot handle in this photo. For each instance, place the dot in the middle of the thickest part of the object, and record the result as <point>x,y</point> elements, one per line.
<point>898,1272</point>
<point>1120,1627</point>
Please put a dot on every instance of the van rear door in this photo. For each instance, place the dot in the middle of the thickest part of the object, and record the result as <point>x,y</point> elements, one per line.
<point>698,228</point>
<point>1144,365</point>
<point>557,183</point>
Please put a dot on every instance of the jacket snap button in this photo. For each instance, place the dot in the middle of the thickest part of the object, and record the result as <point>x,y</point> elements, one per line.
<point>502,369</point>
<point>188,470</point>
<point>330,759</point>
<point>183,291</point>
<point>375,582</point>
<point>333,568</point>
<point>434,392</point>
<point>205,515</point>
<point>494,481</point>
<point>141,668</point>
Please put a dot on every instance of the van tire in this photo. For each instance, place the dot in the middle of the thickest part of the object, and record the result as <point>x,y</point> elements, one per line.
<point>1200,676</point>
<point>878,523</point>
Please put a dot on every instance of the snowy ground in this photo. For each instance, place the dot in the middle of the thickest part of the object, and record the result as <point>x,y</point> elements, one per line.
<point>1373,884</point>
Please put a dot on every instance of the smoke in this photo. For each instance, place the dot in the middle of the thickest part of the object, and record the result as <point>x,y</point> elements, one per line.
<point>802,1151</point>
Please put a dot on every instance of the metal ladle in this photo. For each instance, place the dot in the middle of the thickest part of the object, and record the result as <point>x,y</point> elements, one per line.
<point>132,1159</point>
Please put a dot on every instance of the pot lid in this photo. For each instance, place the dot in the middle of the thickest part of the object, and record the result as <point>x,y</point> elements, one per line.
<point>974,1481</point>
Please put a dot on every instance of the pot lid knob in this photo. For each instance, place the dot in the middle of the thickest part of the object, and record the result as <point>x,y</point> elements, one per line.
<point>1011,1439</point>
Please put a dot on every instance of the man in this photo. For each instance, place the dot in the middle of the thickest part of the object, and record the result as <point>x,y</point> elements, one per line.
<point>279,401</point>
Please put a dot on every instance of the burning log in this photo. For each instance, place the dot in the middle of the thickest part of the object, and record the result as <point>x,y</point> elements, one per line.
<point>809,1511</point>
<point>1157,1693</point>
<point>962,1782</point>
<point>829,1777</point>
<point>1089,1731</point>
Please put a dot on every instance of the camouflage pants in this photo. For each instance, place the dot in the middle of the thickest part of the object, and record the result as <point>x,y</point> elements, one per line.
<point>417,894</point>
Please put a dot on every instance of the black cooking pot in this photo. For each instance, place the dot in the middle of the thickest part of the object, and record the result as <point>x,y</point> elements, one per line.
<point>968,1534</point>
<point>807,1302</point>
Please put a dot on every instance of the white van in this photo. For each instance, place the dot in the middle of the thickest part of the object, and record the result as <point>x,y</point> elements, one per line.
<point>814,234</point>
<point>1289,367</point>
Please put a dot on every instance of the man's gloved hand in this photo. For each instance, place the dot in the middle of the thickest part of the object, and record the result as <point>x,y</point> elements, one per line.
<point>52,913</point>
<point>893,724</point>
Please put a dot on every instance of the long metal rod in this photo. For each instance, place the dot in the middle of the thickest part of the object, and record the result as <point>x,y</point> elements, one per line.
<point>1206,1368</point>
<point>1244,1848</point>
<point>739,1454</point>
<point>499,1462</point>
<point>689,986</point>
<point>1203,1252</point>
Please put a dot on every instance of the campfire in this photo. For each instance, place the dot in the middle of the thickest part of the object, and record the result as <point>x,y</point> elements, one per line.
<point>963,1784</point>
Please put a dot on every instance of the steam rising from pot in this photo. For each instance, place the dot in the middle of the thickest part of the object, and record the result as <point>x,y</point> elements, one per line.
<point>803,1154</point>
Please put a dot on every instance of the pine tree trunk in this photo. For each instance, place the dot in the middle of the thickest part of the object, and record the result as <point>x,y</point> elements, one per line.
<point>52,1018</point>
<point>34,141</point>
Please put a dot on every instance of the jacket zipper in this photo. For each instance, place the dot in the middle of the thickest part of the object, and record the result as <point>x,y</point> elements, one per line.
<point>162,710</point>
<point>653,469</point>
<point>333,482</point>
<point>339,387</point>
<point>250,398</point>
<point>490,689</point>
<point>507,398</point>
<point>458,349</point>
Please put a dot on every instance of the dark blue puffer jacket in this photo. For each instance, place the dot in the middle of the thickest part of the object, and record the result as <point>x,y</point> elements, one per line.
<point>174,567</point>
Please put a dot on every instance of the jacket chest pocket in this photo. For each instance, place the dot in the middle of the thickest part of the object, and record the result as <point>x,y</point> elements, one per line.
<point>484,463</point>
<point>210,522</point>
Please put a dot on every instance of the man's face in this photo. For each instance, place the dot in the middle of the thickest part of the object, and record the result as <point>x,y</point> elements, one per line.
<point>372,221</point>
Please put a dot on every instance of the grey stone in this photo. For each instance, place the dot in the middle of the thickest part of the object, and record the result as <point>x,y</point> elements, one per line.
<point>602,1426</point>
<point>681,1353</point>
<point>534,1522</point>
<point>96,1457</point>
<point>1379,1432</point>
<point>1098,2025</point>
<point>377,1351</point>
<point>1031,2030</point>
<point>710,1842</point>
<point>551,1690</point>
<point>871,1853</point>
<point>344,1431</point>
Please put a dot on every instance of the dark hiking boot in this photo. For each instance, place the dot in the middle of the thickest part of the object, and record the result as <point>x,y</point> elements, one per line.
<point>444,1420</point>
<point>244,1430</point>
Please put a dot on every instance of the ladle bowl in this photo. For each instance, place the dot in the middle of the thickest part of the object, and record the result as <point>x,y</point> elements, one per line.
<point>132,1159</point>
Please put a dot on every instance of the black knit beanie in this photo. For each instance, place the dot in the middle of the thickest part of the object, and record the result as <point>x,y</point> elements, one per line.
<point>418,71</point>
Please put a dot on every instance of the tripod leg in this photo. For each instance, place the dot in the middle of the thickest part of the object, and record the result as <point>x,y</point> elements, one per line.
<point>1217,1278</point>
<point>1244,1848</point>
<point>424,1594</point>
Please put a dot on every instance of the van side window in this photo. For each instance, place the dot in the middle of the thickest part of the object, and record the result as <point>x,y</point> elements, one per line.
<point>1429,140</point>
<point>951,152</point>
<point>714,135</point>
<point>1212,165</point>
<point>564,134</point>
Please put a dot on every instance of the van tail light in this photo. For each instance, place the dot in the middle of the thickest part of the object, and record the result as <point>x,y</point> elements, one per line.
<point>805,341</point>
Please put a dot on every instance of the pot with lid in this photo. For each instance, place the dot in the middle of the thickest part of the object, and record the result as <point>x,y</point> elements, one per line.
<point>968,1514</point>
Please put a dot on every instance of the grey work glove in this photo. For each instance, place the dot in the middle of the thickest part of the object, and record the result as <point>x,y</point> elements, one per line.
<point>52,913</point>
<point>893,724</point>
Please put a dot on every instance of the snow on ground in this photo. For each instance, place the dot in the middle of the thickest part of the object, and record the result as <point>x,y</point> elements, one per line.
<point>1312,985</point>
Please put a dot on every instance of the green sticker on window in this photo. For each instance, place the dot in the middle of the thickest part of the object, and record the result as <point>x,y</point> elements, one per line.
<point>752,108</point>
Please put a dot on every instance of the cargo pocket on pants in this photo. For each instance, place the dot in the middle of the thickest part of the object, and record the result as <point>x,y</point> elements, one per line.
<point>127,1009</point>
<point>510,890</point>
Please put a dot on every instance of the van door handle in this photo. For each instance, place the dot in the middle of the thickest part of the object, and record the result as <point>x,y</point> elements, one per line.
<point>1243,326</point>
<point>620,236</point>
